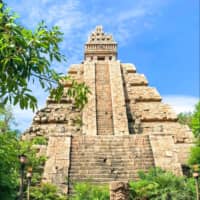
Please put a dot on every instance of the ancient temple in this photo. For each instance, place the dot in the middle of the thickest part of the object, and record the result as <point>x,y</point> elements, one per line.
<point>124,127</point>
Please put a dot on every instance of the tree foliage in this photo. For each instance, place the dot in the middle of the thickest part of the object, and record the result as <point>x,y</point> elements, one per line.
<point>185,118</point>
<point>26,57</point>
<point>195,126</point>
<point>192,119</point>
<point>6,117</point>
<point>195,154</point>
<point>195,122</point>
<point>8,165</point>
<point>46,191</point>
<point>10,148</point>
<point>160,185</point>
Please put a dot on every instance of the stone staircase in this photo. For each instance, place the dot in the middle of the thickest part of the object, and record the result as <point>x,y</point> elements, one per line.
<point>103,100</point>
<point>102,159</point>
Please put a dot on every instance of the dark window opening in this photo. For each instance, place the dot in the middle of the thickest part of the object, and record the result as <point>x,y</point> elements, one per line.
<point>110,57</point>
<point>186,170</point>
<point>100,58</point>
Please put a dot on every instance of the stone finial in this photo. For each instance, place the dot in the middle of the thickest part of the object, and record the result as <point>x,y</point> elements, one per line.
<point>119,190</point>
<point>99,36</point>
<point>99,28</point>
<point>100,45</point>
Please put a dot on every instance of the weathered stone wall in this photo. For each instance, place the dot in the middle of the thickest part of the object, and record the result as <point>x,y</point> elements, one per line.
<point>153,111</point>
<point>118,99</point>
<point>89,111</point>
<point>76,72</point>
<point>165,154</point>
<point>58,161</point>
<point>60,117</point>
<point>143,93</point>
<point>148,115</point>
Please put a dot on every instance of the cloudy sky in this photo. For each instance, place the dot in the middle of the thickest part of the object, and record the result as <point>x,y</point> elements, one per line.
<point>159,36</point>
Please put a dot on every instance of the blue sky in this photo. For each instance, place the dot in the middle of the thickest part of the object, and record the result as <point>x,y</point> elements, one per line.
<point>161,37</point>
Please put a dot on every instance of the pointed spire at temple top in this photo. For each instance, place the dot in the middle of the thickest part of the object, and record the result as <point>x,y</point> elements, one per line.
<point>100,45</point>
<point>99,36</point>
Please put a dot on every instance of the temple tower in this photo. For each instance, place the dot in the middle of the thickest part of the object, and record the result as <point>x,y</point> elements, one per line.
<point>106,108</point>
<point>124,127</point>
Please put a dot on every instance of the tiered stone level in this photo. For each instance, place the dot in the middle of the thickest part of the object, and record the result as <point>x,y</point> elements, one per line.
<point>124,127</point>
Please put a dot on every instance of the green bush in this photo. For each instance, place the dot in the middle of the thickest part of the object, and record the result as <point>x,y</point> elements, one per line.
<point>160,185</point>
<point>195,154</point>
<point>46,191</point>
<point>87,191</point>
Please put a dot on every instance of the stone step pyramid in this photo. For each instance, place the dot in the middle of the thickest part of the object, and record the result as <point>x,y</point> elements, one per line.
<point>124,127</point>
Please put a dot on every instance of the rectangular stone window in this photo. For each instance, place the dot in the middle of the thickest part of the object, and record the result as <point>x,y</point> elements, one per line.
<point>101,58</point>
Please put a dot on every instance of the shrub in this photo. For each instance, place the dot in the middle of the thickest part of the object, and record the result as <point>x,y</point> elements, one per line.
<point>46,191</point>
<point>161,185</point>
<point>194,155</point>
<point>87,191</point>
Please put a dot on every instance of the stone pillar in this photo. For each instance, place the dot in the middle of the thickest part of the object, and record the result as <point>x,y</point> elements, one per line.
<point>165,153</point>
<point>119,190</point>
<point>58,160</point>
<point>89,111</point>
<point>120,120</point>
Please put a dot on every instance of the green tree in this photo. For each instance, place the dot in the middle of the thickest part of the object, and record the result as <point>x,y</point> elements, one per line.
<point>8,165</point>
<point>195,126</point>
<point>195,121</point>
<point>195,153</point>
<point>6,117</point>
<point>26,57</point>
<point>10,148</point>
<point>185,118</point>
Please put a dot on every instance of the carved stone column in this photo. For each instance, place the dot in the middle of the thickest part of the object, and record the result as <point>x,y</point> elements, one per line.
<point>119,190</point>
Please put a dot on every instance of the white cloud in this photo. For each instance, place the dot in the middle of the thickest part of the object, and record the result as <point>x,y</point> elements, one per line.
<point>76,19</point>
<point>181,103</point>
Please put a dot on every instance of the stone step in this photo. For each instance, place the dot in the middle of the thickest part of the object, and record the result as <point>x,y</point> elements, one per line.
<point>113,139</point>
<point>134,137</point>
<point>114,147</point>
<point>98,175</point>
<point>103,100</point>
<point>103,180</point>
<point>102,159</point>
<point>107,171</point>
<point>120,155</point>
<point>108,160</point>
<point>99,166</point>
